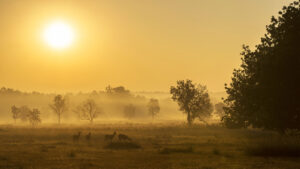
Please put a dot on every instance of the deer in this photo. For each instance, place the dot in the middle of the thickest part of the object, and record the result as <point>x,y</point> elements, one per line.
<point>123,137</point>
<point>88,136</point>
<point>76,136</point>
<point>109,137</point>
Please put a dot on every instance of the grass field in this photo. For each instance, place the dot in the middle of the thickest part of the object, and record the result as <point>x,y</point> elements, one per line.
<point>152,147</point>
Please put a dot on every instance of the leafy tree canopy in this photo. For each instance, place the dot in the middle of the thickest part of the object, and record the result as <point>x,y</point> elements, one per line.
<point>264,92</point>
<point>193,100</point>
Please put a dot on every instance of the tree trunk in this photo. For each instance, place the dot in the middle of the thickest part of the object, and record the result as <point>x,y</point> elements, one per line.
<point>59,118</point>
<point>189,118</point>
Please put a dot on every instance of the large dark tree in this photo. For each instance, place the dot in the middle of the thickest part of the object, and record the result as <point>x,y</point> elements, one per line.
<point>265,91</point>
<point>193,100</point>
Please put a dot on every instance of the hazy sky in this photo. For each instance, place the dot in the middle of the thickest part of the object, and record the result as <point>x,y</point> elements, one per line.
<point>141,44</point>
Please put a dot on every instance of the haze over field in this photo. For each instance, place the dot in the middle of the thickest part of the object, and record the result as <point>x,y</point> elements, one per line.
<point>143,45</point>
<point>149,84</point>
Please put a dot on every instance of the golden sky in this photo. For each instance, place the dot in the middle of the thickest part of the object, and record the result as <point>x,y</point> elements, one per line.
<point>141,44</point>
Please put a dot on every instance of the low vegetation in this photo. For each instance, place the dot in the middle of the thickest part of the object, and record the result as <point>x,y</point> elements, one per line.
<point>151,146</point>
<point>122,145</point>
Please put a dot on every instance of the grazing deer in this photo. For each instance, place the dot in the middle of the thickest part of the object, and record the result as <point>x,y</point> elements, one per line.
<point>123,137</point>
<point>109,137</point>
<point>88,136</point>
<point>76,136</point>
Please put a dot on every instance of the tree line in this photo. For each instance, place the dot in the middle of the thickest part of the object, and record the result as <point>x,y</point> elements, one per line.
<point>87,110</point>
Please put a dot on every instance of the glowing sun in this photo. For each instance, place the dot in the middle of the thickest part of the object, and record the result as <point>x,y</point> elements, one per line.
<point>58,35</point>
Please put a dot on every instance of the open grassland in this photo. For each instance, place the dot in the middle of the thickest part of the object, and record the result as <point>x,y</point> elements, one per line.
<point>152,147</point>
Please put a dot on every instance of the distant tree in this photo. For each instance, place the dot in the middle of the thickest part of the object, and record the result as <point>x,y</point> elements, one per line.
<point>23,113</point>
<point>88,110</point>
<point>15,113</point>
<point>219,109</point>
<point>108,89</point>
<point>34,117</point>
<point>59,106</point>
<point>120,90</point>
<point>153,107</point>
<point>129,111</point>
<point>264,92</point>
<point>192,100</point>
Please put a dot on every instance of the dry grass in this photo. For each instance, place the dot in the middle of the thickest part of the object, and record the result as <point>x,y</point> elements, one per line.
<point>177,150</point>
<point>159,147</point>
<point>284,147</point>
<point>122,145</point>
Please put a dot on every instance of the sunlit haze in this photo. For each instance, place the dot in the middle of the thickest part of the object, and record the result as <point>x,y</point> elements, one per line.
<point>61,46</point>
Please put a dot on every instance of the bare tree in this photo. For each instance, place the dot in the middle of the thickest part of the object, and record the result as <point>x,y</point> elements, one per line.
<point>88,110</point>
<point>59,106</point>
<point>153,107</point>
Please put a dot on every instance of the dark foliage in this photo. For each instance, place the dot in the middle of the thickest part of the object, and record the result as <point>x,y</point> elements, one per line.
<point>275,148</point>
<point>264,92</point>
<point>192,99</point>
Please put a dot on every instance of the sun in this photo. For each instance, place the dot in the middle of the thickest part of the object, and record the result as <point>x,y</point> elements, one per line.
<point>58,35</point>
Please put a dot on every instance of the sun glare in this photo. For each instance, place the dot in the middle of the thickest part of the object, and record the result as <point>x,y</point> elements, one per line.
<point>58,35</point>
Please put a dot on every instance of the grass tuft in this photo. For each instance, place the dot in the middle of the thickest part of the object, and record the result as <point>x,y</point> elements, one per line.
<point>177,150</point>
<point>216,151</point>
<point>122,145</point>
<point>72,154</point>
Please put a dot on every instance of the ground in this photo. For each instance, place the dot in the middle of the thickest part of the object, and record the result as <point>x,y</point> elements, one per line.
<point>173,146</point>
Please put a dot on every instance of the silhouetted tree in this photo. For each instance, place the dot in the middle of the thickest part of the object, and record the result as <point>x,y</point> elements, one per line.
<point>129,111</point>
<point>34,117</point>
<point>59,106</point>
<point>108,89</point>
<point>192,100</point>
<point>264,92</point>
<point>15,113</point>
<point>23,113</point>
<point>219,109</point>
<point>153,107</point>
<point>88,110</point>
<point>120,90</point>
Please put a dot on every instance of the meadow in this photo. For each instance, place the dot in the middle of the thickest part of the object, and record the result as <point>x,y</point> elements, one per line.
<point>152,146</point>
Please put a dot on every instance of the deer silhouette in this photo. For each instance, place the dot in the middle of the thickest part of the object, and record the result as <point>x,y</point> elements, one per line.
<point>109,137</point>
<point>123,137</point>
<point>76,136</point>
